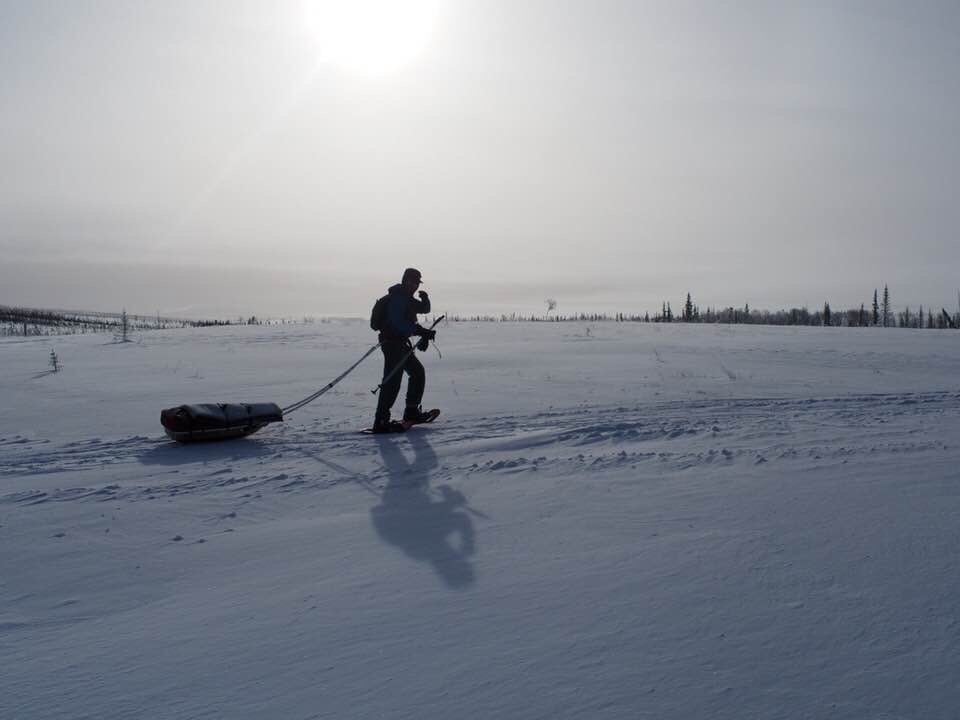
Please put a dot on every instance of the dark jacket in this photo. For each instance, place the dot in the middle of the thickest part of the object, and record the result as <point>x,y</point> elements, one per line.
<point>402,313</point>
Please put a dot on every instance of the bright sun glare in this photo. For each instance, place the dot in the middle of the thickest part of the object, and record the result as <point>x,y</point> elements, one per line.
<point>370,36</point>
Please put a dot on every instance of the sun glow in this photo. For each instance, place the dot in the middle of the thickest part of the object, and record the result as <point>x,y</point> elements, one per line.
<point>370,36</point>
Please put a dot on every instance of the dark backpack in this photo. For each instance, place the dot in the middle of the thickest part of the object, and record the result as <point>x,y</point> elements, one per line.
<point>378,316</point>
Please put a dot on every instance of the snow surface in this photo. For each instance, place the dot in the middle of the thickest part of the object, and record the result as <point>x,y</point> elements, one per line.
<point>608,521</point>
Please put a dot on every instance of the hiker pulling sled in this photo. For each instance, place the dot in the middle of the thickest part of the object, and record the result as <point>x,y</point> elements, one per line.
<point>394,316</point>
<point>222,421</point>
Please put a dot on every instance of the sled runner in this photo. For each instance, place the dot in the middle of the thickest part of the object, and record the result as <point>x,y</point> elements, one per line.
<point>217,421</point>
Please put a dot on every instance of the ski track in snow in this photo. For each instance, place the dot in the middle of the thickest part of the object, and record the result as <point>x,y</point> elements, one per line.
<point>678,435</point>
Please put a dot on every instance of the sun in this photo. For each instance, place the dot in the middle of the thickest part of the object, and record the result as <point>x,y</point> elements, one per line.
<point>372,37</point>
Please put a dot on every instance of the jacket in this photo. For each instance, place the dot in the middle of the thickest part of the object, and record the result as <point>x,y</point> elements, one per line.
<point>402,311</point>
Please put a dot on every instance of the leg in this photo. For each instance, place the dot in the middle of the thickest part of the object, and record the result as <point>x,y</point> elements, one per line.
<point>417,381</point>
<point>392,355</point>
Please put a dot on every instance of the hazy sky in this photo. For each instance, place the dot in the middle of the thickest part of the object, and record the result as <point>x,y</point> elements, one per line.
<point>292,157</point>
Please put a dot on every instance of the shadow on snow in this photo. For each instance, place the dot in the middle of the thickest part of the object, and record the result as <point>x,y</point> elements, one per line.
<point>435,531</point>
<point>173,453</point>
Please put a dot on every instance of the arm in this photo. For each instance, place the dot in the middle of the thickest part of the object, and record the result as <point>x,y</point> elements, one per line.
<point>422,306</point>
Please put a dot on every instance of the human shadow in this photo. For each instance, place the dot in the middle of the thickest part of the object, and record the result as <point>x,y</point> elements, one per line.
<point>436,531</point>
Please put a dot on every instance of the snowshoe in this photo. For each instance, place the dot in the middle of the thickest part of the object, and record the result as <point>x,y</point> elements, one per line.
<point>416,416</point>
<point>388,426</point>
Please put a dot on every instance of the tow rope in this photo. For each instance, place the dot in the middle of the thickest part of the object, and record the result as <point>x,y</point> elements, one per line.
<point>310,398</point>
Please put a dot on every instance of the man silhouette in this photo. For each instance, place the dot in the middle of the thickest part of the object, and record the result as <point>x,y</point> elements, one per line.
<point>399,325</point>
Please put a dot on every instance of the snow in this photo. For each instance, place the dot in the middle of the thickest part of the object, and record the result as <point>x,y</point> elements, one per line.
<point>609,520</point>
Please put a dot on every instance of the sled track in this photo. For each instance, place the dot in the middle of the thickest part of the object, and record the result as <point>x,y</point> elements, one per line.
<point>672,420</point>
<point>678,435</point>
<point>23,456</point>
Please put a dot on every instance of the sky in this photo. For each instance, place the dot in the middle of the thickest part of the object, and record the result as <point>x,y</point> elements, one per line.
<point>203,157</point>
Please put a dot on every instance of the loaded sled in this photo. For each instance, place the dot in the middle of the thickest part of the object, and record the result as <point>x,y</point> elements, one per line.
<point>217,421</point>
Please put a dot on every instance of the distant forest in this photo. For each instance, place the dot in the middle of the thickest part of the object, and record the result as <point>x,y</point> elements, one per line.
<point>32,321</point>
<point>879,313</point>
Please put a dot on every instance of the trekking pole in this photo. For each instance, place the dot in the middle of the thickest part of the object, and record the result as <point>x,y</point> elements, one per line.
<point>403,362</point>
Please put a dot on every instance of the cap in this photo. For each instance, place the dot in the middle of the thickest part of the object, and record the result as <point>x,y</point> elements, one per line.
<point>411,274</point>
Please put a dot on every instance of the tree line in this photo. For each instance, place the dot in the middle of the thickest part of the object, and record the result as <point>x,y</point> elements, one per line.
<point>879,313</point>
<point>33,322</point>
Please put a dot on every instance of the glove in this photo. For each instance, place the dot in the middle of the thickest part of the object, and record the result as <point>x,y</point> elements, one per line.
<point>428,334</point>
<point>423,344</point>
<point>424,302</point>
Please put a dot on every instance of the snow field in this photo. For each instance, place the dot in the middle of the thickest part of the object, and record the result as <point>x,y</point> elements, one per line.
<point>639,521</point>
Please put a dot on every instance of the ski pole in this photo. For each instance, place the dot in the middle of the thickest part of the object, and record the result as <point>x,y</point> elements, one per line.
<point>403,362</point>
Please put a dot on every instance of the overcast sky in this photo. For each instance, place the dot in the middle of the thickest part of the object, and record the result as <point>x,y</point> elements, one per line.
<point>284,158</point>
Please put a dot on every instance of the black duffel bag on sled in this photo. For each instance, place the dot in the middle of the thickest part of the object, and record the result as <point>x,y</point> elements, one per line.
<point>217,421</point>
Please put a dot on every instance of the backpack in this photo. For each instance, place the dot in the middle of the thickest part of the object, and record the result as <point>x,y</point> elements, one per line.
<point>378,316</point>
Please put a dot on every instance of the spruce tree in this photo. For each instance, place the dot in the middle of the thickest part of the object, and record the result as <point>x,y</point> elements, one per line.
<point>886,306</point>
<point>876,308</point>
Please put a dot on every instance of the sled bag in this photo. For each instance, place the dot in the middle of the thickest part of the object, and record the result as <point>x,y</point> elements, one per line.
<point>218,420</point>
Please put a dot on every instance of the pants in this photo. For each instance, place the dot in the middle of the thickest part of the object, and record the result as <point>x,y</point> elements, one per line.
<point>393,352</point>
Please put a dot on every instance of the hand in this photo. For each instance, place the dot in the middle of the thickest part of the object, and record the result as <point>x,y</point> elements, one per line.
<point>423,344</point>
<point>423,294</point>
<point>428,334</point>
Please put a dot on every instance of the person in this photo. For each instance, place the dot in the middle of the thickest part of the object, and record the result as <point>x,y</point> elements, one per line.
<point>400,324</point>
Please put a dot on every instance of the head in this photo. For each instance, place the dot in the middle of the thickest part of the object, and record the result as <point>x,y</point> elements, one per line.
<point>411,280</point>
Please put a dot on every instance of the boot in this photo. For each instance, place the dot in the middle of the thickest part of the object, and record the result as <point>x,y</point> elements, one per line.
<point>414,415</point>
<point>388,426</point>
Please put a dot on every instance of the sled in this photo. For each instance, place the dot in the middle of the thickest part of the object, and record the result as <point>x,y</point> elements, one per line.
<point>217,421</point>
